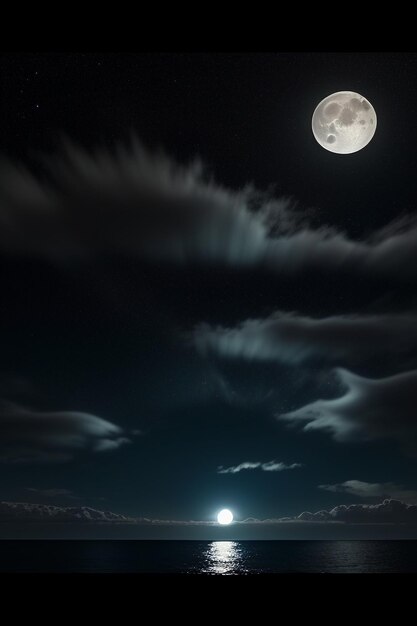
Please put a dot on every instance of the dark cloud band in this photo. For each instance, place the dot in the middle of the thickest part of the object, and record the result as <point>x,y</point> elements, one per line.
<point>386,512</point>
<point>39,436</point>
<point>369,409</point>
<point>133,202</point>
<point>364,489</point>
<point>291,338</point>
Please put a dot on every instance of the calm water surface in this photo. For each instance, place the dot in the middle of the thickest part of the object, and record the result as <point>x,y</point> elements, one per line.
<point>209,557</point>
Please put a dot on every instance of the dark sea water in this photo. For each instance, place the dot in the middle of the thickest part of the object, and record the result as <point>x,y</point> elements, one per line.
<point>209,557</point>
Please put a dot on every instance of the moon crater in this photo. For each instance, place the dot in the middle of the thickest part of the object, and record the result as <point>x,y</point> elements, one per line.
<point>344,122</point>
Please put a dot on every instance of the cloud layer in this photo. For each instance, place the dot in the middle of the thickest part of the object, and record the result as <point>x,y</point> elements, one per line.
<point>133,202</point>
<point>27,435</point>
<point>269,466</point>
<point>386,512</point>
<point>291,338</point>
<point>373,490</point>
<point>370,409</point>
<point>25,512</point>
<point>129,202</point>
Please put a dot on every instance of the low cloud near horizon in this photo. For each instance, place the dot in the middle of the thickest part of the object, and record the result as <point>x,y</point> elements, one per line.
<point>387,512</point>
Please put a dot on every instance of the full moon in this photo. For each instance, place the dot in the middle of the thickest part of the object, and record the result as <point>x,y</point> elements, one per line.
<point>225,517</point>
<point>344,122</point>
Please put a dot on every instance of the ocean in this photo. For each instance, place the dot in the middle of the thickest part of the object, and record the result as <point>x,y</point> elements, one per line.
<point>208,557</point>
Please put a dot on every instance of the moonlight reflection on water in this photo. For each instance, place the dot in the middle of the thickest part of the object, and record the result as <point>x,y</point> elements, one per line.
<point>224,557</point>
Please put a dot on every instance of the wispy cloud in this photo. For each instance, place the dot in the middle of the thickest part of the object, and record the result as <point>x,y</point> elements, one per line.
<point>131,201</point>
<point>269,466</point>
<point>292,338</point>
<point>373,490</point>
<point>370,409</point>
<point>28,435</point>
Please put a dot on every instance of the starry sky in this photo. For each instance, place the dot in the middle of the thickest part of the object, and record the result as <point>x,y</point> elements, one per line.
<point>201,308</point>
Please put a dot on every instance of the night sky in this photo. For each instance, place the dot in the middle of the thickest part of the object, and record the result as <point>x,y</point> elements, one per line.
<point>200,307</point>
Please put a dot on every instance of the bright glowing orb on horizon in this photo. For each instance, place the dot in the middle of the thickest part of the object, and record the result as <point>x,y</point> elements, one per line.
<point>225,517</point>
